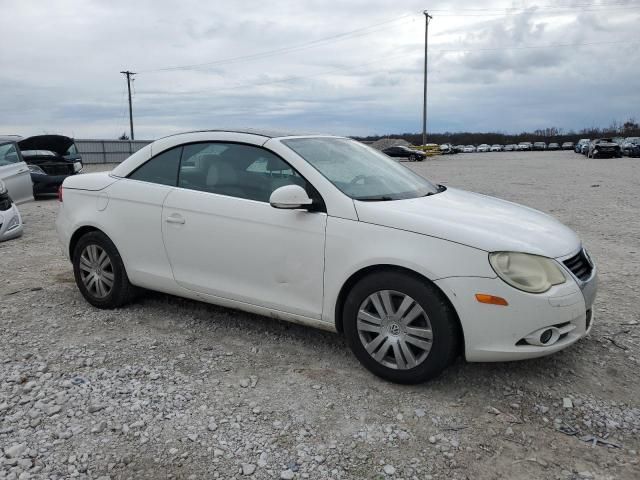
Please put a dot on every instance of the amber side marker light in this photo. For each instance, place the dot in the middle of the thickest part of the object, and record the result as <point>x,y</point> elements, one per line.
<point>491,299</point>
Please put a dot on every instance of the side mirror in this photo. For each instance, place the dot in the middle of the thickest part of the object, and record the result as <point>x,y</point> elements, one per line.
<point>290,197</point>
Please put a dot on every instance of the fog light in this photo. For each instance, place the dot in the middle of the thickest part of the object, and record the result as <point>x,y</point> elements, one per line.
<point>546,336</point>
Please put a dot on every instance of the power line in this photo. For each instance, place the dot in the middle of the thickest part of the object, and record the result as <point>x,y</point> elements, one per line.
<point>536,7</point>
<point>373,28</point>
<point>267,53</point>
<point>536,11</point>
<point>378,60</point>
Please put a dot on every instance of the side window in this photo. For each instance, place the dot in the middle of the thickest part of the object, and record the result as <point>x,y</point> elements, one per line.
<point>8,154</point>
<point>235,170</point>
<point>72,150</point>
<point>161,169</point>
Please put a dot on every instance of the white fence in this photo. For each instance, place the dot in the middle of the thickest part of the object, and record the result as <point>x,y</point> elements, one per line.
<point>107,151</point>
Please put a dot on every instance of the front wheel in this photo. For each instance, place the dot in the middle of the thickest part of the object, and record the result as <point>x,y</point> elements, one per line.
<point>400,328</point>
<point>99,272</point>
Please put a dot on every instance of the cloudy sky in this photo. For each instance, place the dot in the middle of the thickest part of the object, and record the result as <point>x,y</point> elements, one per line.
<point>350,67</point>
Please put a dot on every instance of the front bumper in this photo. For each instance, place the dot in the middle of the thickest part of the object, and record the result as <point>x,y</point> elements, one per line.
<point>497,333</point>
<point>10,223</point>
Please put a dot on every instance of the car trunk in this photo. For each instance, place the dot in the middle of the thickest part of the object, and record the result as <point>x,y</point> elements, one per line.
<point>54,143</point>
<point>51,165</point>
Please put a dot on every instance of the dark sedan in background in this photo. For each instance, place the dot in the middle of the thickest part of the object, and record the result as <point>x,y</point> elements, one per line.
<point>51,159</point>
<point>405,152</point>
<point>604,147</point>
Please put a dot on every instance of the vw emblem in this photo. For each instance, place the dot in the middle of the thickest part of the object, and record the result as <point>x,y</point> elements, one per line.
<point>394,329</point>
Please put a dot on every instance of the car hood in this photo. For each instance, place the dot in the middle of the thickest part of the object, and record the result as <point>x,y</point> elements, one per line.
<point>55,143</point>
<point>476,220</point>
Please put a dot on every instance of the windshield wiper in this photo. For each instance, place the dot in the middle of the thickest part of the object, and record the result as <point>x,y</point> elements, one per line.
<point>382,198</point>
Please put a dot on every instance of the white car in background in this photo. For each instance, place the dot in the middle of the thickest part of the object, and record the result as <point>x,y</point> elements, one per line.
<point>469,149</point>
<point>14,172</point>
<point>497,148</point>
<point>483,148</point>
<point>327,232</point>
<point>10,219</point>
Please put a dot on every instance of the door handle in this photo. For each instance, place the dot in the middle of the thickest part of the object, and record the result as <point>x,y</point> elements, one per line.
<point>175,219</point>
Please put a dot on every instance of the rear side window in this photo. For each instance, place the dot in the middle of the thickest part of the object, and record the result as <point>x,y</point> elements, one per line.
<point>8,154</point>
<point>161,169</point>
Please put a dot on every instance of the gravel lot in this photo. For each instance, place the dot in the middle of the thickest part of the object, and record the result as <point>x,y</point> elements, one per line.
<point>170,388</point>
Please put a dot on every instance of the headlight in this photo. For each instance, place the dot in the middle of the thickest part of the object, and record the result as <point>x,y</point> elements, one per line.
<point>3,188</point>
<point>77,166</point>
<point>36,169</point>
<point>13,223</point>
<point>531,273</point>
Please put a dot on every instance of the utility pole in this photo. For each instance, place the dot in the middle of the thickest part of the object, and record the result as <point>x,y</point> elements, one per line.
<point>427,17</point>
<point>129,74</point>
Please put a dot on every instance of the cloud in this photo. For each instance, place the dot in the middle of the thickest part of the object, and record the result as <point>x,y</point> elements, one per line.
<point>62,72</point>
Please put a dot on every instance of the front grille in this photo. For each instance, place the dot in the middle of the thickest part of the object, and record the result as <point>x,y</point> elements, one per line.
<point>57,168</point>
<point>5,202</point>
<point>579,265</point>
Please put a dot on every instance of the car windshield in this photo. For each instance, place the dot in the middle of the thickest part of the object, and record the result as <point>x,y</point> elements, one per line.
<point>359,171</point>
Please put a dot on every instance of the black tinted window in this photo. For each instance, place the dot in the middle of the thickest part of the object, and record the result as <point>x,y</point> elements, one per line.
<point>162,169</point>
<point>236,170</point>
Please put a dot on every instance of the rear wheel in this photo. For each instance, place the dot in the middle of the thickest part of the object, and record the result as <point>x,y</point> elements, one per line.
<point>100,273</point>
<point>400,328</point>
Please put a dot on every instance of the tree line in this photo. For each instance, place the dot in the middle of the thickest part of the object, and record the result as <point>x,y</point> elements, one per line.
<point>628,128</point>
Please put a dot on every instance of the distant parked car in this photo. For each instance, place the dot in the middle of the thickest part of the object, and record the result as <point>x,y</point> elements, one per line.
<point>553,146</point>
<point>629,144</point>
<point>525,146</point>
<point>469,149</point>
<point>14,171</point>
<point>497,148</point>
<point>633,150</point>
<point>604,147</point>
<point>401,151</point>
<point>447,149</point>
<point>539,146</point>
<point>483,148</point>
<point>567,146</point>
<point>511,147</point>
<point>51,159</point>
<point>459,148</point>
<point>584,148</point>
<point>10,220</point>
<point>579,145</point>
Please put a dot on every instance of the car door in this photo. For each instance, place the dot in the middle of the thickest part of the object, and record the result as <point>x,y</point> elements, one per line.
<point>15,173</point>
<point>224,239</point>
<point>134,219</point>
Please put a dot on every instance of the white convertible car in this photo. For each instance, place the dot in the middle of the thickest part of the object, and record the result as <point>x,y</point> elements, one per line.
<point>327,232</point>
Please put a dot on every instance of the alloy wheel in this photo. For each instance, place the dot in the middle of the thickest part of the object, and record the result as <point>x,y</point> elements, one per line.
<point>96,271</point>
<point>394,329</point>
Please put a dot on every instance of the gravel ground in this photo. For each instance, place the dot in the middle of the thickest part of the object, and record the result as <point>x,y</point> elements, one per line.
<point>170,388</point>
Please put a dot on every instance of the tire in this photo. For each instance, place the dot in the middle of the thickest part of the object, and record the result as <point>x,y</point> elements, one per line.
<point>88,261</point>
<point>438,316</point>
